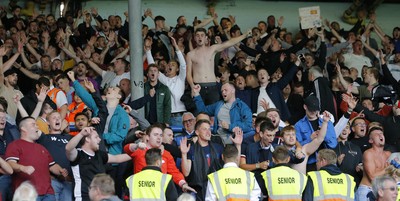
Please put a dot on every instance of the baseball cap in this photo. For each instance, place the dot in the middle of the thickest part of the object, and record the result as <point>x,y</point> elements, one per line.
<point>312,103</point>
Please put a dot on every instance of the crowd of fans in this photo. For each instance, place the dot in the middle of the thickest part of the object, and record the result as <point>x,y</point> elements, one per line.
<point>66,105</point>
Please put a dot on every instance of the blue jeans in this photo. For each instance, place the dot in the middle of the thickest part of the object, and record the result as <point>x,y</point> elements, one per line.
<point>362,192</point>
<point>5,187</point>
<point>47,197</point>
<point>62,190</point>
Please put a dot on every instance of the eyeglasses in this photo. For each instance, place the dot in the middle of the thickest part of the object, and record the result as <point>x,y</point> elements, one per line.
<point>393,188</point>
<point>188,121</point>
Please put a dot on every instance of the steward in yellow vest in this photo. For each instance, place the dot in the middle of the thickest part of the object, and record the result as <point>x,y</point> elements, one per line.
<point>232,183</point>
<point>329,183</point>
<point>151,183</point>
<point>282,182</point>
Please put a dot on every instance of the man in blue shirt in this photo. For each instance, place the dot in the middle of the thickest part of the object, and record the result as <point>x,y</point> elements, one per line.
<point>307,127</point>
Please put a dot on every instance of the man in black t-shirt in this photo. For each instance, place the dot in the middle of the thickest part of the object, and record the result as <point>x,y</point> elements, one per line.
<point>88,160</point>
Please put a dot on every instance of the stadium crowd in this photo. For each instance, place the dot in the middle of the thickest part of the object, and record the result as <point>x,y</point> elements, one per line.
<point>262,114</point>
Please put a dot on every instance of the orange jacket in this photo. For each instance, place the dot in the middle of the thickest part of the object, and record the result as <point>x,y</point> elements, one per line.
<point>168,163</point>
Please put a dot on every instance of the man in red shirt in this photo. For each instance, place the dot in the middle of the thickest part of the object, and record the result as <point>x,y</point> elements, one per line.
<point>153,139</point>
<point>31,161</point>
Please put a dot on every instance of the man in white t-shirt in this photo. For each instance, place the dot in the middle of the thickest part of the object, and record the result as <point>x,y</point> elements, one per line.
<point>357,59</point>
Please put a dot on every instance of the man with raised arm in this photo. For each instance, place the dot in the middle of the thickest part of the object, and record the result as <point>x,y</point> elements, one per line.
<point>289,140</point>
<point>200,64</point>
<point>8,81</point>
<point>88,160</point>
<point>374,161</point>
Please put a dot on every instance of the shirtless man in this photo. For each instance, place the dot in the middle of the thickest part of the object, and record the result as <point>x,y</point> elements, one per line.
<point>375,162</point>
<point>289,141</point>
<point>200,64</point>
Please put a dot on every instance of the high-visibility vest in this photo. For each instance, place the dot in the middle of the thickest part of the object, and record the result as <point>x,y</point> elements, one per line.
<point>332,187</point>
<point>232,184</point>
<point>53,95</point>
<point>284,183</point>
<point>148,185</point>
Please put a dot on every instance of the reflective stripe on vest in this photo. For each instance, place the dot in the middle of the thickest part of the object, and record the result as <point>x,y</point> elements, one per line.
<point>323,190</point>
<point>223,192</point>
<point>137,194</point>
<point>292,190</point>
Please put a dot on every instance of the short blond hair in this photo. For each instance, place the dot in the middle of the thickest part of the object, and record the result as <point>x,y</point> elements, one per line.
<point>329,155</point>
<point>105,184</point>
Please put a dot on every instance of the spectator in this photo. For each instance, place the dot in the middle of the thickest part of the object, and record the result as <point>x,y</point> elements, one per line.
<point>167,142</point>
<point>294,103</point>
<point>102,188</point>
<point>158,109</point>
<point>199,73</point>
<point>356,58</point>
<point>349,156</point>
<point>188,131</point>
<point>115,126</point>
<point>174,82</point>
<point>125,86</point>
<point>6,137</point>
<point>30,100</point>
<point>62,82</point>
<point>308,125</point>
<point>117,120</point>
<point>203,158</point>
<point>55,143</point>
<point>374,162</point>
<point>274,115</point>
<point>254,138</point>
<point>32,161</point>
<point>112,78</point>
<point>88,161</point>
<point>160,36</point>
<point>359,128</point>
<point>269,95</point>
<point>8,82</point>
<point>320,89</point>
<point>242,91</point>
<point>384,188</point>
<point>258,156</point>
<point>153,137</point>
<point>16,15</point>
<point>25,192</point>
<point>229,113</point>
<point>299,153</point>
